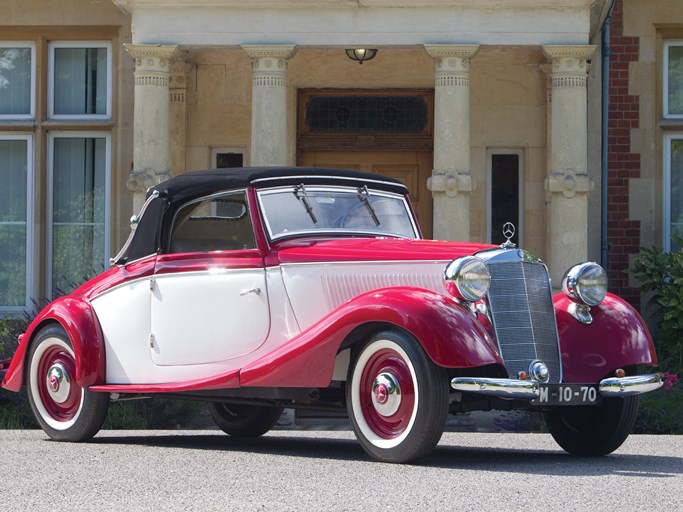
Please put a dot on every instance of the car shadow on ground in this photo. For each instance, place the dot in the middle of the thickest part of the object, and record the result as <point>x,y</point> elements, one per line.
<point>476,458</point>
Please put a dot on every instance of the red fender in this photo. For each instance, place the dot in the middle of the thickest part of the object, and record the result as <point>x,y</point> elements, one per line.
<point>78,319</point>
<point>449,334</point>
<point>616,338</point>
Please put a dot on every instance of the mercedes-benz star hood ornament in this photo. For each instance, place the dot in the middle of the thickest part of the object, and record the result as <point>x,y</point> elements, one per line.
<point>508,233</point>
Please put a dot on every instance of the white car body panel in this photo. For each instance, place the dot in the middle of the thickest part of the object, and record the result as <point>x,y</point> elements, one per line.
<point>315,290</point>
<point>124,314</point>
<point>205,317</point>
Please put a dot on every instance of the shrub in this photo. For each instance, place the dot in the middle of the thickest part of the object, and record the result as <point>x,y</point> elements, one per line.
<point>661,275</point>
<point>661,412</point>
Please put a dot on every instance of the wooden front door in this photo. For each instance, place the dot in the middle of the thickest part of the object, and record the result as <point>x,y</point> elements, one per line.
<point>387,132</point>
<point>410,167</point>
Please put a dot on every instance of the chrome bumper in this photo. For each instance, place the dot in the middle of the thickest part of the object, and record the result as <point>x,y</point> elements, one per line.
<point>502,388</point>
<point>529,389</point>
<point>635,385</point>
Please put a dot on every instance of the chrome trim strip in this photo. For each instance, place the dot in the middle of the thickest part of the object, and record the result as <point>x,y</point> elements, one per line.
<point>627,386</point>
<point>503,388</point>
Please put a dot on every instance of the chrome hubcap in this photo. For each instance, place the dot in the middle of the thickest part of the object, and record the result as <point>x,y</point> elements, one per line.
<point>58,383</point>
<point>386,394</point>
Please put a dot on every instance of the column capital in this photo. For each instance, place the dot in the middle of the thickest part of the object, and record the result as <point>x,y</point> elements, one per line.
<point>442,51</point>
<point>452,58</point>
<point>269,64</point>
<point>269,51</point>
<point>151,57</point>
<point>569,51</point>
<point>569,58</point>
<point>568,64</point>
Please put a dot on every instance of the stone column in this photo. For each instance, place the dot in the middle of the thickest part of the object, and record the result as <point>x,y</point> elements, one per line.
<point>269,103</point>
<point>568,183</point>
<point>151,118</point>
<point>451,181</point>
<point>177,89</point>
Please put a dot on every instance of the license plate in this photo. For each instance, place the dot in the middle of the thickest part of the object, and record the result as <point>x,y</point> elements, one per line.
<point>566,394</point>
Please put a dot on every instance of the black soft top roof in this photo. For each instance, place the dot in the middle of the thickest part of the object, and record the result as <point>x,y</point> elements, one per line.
<point>150,232</point>
<point>199,183</point>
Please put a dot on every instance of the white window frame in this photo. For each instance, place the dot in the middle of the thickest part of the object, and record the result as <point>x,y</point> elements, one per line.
<point>50,189</point>
<point>216,151</point>
<point>51,82</point>
<point>489,189</point>
<point>32,108</point>
<point>665,79</point>
<point>29,221</point>
<point>666,189</point>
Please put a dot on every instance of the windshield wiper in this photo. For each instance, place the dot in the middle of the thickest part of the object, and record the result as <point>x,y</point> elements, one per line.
<point>363,195</point>
<point>300,193</point>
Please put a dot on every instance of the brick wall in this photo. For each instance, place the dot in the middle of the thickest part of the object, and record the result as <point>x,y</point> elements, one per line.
<point>623,233</point>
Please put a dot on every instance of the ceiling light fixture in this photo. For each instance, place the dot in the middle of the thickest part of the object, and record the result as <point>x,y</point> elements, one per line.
<point>361,54</point>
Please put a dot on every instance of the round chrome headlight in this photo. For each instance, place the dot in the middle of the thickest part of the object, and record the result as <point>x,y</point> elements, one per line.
<point>586,283</point>
<point>467,278</point>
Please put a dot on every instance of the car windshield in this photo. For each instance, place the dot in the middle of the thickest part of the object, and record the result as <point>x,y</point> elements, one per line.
<point>300,209</point>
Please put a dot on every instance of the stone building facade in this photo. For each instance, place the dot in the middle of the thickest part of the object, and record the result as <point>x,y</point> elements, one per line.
<point>489,110</point>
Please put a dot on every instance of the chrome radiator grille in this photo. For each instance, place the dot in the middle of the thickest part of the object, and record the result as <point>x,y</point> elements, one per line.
<point>521,306</point>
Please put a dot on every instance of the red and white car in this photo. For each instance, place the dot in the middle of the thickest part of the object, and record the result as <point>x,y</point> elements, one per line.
<point>263,288</point>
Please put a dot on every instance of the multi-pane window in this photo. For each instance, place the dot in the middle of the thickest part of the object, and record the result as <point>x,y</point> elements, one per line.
<point>673,190</point>
<point>672,101</point>
<point>80,80</point>
<point>15,222</point>
<point>77,94</point>
<point>673,79</point>
<point>79,208</point>
<point>17,80</point>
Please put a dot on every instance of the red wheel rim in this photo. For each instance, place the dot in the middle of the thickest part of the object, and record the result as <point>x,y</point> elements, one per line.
<point>66,408</point>
<point>387,361</point>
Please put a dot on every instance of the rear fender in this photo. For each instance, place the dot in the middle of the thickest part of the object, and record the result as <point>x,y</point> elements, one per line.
<point>449,334</point>
<point>617,338</point>
<point>78,319</point>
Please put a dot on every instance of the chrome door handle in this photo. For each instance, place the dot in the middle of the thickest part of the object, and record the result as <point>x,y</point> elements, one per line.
<point>256,291</point>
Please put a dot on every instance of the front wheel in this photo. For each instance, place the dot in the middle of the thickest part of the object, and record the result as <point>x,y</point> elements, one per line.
<point>64,410</point>
<point>242,420</point>
<point>397,398</point>
<point>597,430</point>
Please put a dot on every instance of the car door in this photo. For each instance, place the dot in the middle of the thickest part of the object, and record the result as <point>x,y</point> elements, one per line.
<point>209,296</point>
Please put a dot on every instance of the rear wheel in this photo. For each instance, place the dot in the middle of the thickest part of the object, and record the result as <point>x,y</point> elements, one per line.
<point>240,420</point>
<point>597,430</point>
<point>64,410</point>
<point>397,398</point>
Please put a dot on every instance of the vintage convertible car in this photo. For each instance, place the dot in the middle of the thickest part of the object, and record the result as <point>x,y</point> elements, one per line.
<point>264,288</point>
